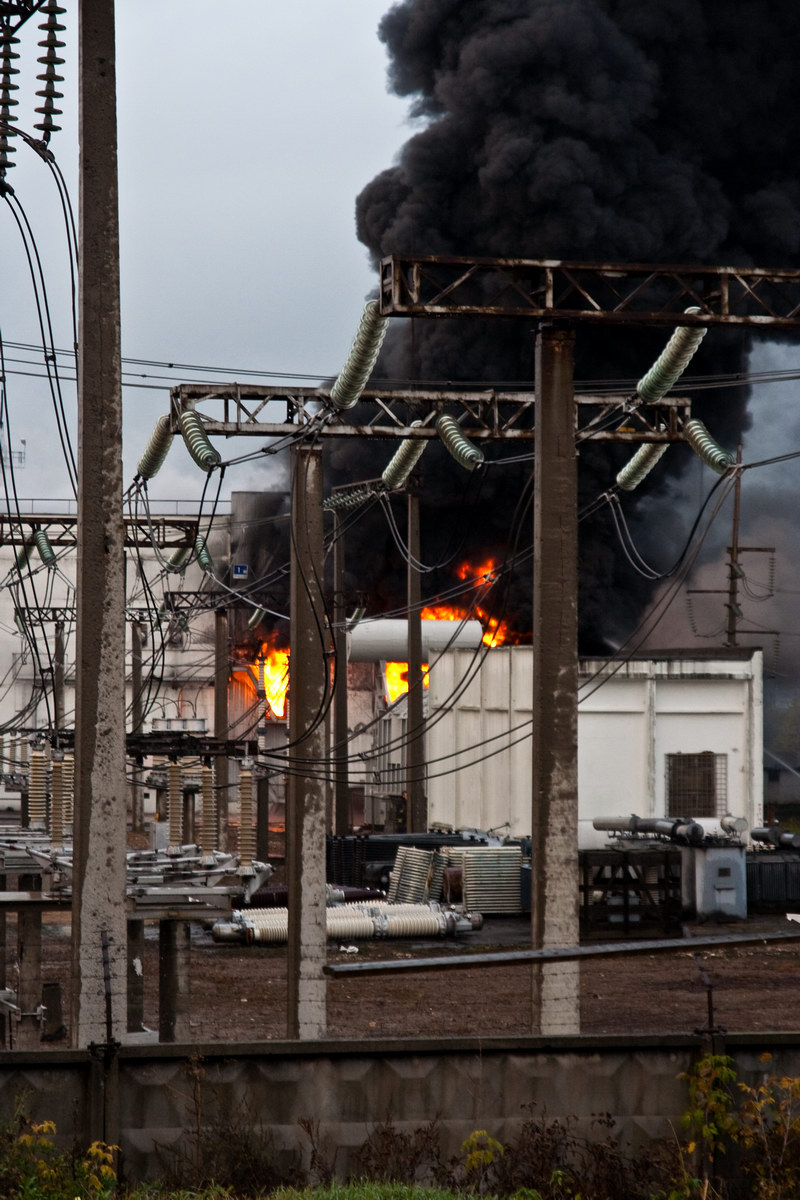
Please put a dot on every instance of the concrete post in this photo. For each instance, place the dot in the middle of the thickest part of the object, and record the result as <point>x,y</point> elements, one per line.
<point>135,976</point>
<point>137,722</point>
<point>29,991</point>
<point>308,692</point>
<point>100,788</point>
<point>417,810</point>
<point>58,677</point>
<point>174,1005</point>
<point>554,820</point>
<point>221,766</point>
<point>341,807</point>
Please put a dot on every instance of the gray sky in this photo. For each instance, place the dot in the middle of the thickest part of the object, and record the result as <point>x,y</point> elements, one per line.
<point>245,133</point>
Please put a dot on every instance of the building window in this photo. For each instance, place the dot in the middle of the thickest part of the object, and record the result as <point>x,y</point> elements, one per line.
<point>697,784</point>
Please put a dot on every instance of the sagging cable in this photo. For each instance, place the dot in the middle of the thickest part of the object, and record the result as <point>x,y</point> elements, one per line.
<point>403,461</point>
<point>197,441</point>
<point>463,451</point>
<point>352,379</point>
<point>704,446</point>
<point>156,450</point>
<point>671,362</point>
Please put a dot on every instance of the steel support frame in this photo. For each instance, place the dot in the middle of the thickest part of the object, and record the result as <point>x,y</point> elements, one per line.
<point>238,410</point>
<point>589,293</point>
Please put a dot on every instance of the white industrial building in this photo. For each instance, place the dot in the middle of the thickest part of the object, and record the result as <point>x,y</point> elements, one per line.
<point>673,734</point>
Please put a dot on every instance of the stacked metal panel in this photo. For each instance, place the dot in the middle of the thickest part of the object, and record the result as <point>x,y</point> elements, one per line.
<point>490,877</point>
<point>416,876</point>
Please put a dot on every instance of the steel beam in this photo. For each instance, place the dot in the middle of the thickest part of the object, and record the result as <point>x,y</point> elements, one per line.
<point>559,954</point>
<point>589,293</point>
<point>238,410</point>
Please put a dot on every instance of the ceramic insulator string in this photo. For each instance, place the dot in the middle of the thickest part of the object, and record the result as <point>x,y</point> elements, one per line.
<point>156,450</point>
<point>197,441</point>
<point>51,62</point>
<point>462,450</point>
<point>175,801</point>
<point>704,446</point>
<point>8,99</point>
<point>640,465</point>
<point>671,363</point>
<point>403,461</point>
<point>352,378</point>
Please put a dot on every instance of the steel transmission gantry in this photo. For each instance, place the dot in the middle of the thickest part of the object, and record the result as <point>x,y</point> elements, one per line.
<point>556,296</point>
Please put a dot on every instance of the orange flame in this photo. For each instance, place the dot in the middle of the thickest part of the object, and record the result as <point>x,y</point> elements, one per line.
<point>273,676</point>
<point>397,679</point>
<point>495,632</point>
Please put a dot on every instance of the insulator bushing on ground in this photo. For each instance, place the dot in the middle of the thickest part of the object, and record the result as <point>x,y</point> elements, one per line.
<point>175,801</point>
<point>671,363</point>
<point>225,931</point>
<point>421,924</point>
<point>403,461</point>
<point>640,465</point>
<point>197,441</point>
<point>202,555</point>
<point>37,790</point>
<point>156,449</point>
<point>704,446</point>
<point>462,450</point>
<point>46,551</point>
<point>208,837</point>
<point>361,360</point>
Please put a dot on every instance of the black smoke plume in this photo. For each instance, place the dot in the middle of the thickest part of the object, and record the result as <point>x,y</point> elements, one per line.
<point>579,129</point>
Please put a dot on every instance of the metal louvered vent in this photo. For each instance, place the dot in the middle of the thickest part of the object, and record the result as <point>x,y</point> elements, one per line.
<point>491,877</point>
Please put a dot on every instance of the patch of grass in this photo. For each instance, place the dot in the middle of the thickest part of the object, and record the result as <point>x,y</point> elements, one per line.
<point>367,1190</point>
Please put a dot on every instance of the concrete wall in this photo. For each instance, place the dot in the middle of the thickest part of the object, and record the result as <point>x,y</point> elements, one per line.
<point>645,709</point>
<point>463,1084</point>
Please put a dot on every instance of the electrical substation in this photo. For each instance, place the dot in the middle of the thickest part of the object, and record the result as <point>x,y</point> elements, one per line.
<point>183,761</point>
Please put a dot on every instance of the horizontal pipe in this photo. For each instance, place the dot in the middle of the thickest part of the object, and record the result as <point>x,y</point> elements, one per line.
<point>517,958</point>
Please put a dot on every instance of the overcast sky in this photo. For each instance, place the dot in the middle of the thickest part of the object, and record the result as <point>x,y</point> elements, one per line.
<point>245,133</point>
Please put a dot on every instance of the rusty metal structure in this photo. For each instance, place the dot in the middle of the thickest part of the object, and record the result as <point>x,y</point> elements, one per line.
<point>589,293</point>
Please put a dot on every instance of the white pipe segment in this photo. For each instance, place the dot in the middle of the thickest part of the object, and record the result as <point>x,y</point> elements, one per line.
<point>387,640</point>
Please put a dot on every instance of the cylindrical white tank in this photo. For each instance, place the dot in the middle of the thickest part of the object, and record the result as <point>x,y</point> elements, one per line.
<point>387,640</point>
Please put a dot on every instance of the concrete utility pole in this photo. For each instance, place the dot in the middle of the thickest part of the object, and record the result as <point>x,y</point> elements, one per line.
<point>98,905</point>
<point>341,806</point>
<point>222,766</point>
<point>554,814</point>
<point>58,677</point>
<point>416,808</point>
<point>305,815</point>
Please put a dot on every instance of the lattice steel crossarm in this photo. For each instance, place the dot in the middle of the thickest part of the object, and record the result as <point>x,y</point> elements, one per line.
<point>14,13</point>
<point>165,532</point>
<point>234,410</point>
<point>589,293</point>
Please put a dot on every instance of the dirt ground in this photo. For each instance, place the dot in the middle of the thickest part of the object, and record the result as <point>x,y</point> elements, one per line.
<point>239,992</point>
